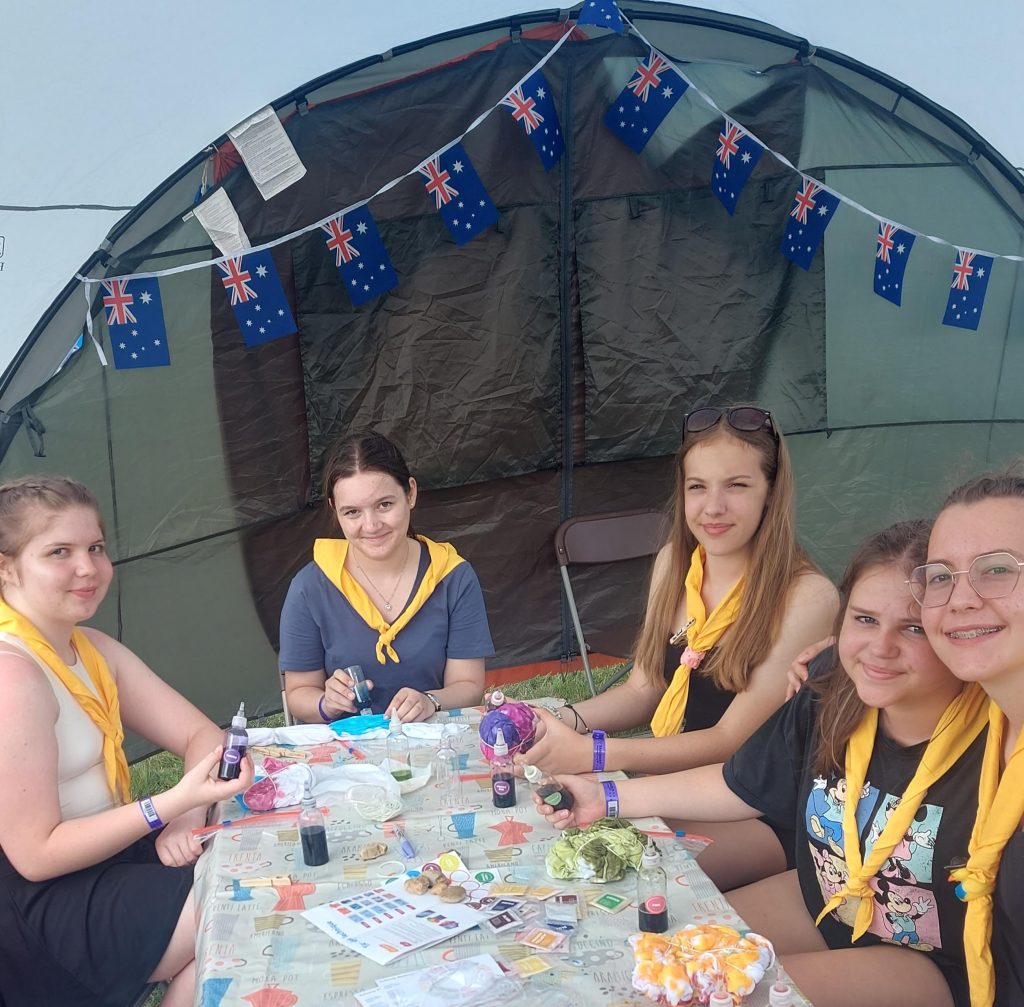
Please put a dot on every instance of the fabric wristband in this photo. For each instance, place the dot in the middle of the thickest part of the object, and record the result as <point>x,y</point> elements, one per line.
<point>611,799</point>
<point>323,713</point>
<point>599,750</point>
<point>149,813</point>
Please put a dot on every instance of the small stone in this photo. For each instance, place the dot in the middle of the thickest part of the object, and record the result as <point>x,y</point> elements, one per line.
<point>418,885</point>
<point>438,886</point>
<point>371,851</point>
<point>433,874</point>
<point>453,893</point>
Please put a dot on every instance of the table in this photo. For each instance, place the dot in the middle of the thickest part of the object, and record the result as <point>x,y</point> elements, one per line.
<point>255,948</point>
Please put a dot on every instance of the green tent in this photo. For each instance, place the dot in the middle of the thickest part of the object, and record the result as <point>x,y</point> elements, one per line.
<point>541,370</point>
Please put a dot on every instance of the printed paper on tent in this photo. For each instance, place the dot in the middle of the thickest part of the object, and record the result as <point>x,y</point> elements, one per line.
<point>267,151</point>
<point>221,222</point>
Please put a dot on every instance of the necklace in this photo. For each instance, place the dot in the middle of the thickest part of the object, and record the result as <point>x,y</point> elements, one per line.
<point>387,598</point>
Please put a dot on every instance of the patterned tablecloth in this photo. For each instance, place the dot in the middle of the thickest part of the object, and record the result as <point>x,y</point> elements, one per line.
<point>255,948</point>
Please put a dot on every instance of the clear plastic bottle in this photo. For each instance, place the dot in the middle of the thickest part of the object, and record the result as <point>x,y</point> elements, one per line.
<point>398,752</point>
<point>361,689</point>
<point>503,777</point>
<point>549,790</point>
<point>312,831</point>
<point>447,772</point>
<point>780,994</point>
<point>651,892</point>
<point>236,741</point>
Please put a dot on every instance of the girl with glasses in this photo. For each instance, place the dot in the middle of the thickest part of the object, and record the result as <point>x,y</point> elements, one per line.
<point>732,600</point>
<point>876,764</point>
<point>95,893</point>
<point>973,612</point>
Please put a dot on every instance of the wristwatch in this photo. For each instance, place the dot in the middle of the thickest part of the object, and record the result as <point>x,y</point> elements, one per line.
<point>433,699</point>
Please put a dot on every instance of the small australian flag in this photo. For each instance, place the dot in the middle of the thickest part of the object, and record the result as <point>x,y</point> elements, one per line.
<point>967,291</point>
<point>257,297</point>
<point>360,255</point>
<point>814,206</point>
<point>135,320</point>
<point>892,252</point>
<point>459,195</point>
<point>645,101</point>
<point>604,13</point>
<point>532,106</point>
<point>735,159</point>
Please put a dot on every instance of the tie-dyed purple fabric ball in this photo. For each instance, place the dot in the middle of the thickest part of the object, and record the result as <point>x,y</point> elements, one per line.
<point>517,723</point>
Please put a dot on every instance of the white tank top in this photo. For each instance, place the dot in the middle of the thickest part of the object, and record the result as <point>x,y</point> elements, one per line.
<point>81,774</point>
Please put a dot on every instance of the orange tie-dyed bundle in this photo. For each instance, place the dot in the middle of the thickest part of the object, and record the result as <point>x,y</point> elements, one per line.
<point>687,967</point>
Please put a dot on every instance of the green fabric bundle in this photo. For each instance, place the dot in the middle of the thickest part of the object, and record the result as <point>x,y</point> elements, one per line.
<point>601,852</point>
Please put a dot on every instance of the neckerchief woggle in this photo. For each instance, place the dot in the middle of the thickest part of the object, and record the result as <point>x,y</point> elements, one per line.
<point>1000,809</point>
<point>329,555</point>
<point>702,634</point>
<point>961,722</point>
<point>102,708</point>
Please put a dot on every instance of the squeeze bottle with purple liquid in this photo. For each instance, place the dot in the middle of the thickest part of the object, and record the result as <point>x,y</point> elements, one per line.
<point>236,741</point>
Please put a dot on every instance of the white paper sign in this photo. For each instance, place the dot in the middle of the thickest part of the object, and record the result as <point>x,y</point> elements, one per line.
<point>267,152</point>
<point>220,220</point>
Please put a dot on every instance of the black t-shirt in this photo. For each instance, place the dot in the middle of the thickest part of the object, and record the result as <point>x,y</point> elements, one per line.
<point>915,904</point>
<point>1008,925</point>
<point>706,702</point>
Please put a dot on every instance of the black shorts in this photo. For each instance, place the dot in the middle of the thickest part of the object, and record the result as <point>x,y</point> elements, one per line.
<point>89,938</point>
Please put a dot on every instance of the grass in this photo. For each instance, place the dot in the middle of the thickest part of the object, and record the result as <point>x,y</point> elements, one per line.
<point>161,771</point>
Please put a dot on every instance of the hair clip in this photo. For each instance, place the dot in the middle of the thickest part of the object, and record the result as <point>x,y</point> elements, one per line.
<point>680,635</point>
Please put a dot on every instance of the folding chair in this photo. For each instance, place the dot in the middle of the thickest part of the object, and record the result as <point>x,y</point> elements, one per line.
<point>284,701</point>
<point>606,538</point>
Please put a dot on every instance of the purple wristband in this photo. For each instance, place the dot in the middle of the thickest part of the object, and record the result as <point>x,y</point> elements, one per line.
<point>611,799</point>
<point>323,713</point>
<point>599,751</point>
<point>149,813</point>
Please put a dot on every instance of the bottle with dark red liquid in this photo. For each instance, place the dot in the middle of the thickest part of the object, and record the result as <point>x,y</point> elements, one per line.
<point>549,790</point>
<point>651,892</point>
<point>236,741</point>
<point>503,778</point>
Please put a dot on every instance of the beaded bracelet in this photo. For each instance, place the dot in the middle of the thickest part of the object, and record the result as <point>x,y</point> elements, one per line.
<point>599,750</point>
<point>611,799</point>
<point>149,812</point>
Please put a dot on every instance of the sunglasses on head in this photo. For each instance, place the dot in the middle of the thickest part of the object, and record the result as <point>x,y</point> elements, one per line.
<point>749,419</point>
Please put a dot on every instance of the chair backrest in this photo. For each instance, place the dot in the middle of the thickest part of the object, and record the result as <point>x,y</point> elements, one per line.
<point>609,538</point>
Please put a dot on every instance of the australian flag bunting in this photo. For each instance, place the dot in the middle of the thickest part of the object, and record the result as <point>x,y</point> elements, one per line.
<point>735,159</point>
<point>257,298</point>
<point>604,13</point>
<point>459,195</point>
<point>135,320</point>
<point>967,291</point>
<point>360,255</point>
<point>645,101</point>
<point>892,252</point>
<point>814,206</point>
<point>532,106</point>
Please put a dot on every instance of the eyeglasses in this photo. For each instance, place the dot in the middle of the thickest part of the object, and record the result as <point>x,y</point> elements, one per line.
<point>746,418</point>
<point>992,575</point>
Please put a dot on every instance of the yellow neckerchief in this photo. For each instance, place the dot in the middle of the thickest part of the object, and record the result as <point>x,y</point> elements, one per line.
<point>1000,809</point>
<point>702,634</point>
<point>103,708</point>
<point>961,722</point>
<point>329,554</point>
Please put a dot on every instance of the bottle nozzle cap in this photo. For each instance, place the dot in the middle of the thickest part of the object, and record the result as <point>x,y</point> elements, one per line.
<point>500,744</point>
<point>307,794</point>
<point>532,773</point>
<point>238,720</point>
<point>497,697</point>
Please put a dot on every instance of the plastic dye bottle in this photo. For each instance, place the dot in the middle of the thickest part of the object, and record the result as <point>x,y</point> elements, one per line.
<point>236,741</point>
<point>651,889</point>
<point>312,831</point>
<point>362,691</point>
<point>503,777</point>
<point>549,790</point>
